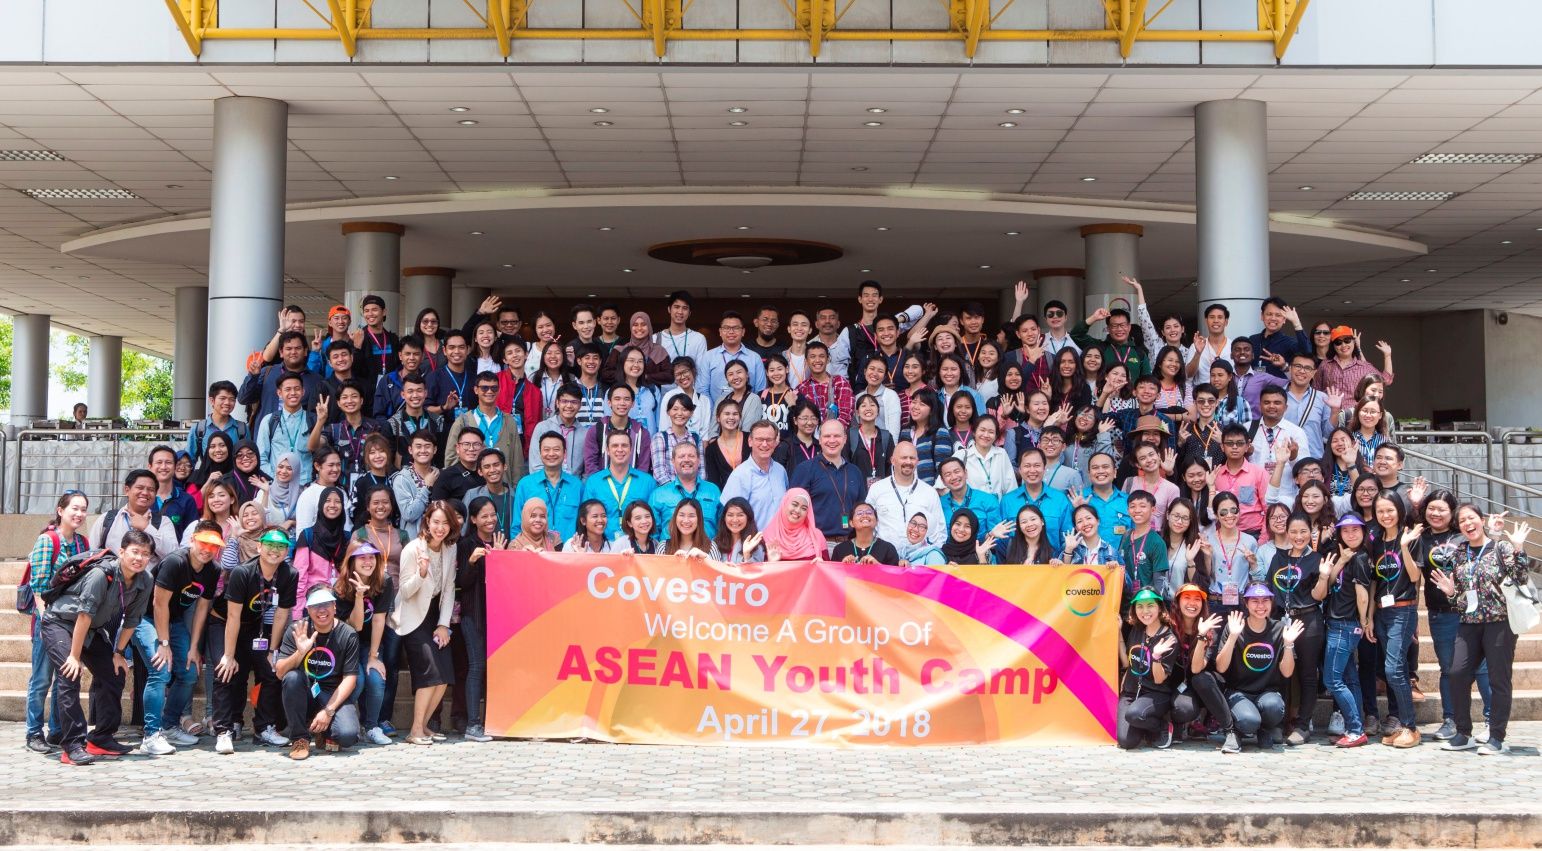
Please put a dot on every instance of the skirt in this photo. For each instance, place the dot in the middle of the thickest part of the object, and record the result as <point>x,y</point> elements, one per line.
<point>430,664</point>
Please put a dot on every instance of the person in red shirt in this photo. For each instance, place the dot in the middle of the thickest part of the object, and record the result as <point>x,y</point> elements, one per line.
<point>1243,478</point>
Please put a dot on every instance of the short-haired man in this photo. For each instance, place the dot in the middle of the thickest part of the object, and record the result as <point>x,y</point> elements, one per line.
<point>620,401</point>
<point>761,481</point>
<point>1211,344</point>
<point>1112,505</point>
<point>1145,554</point>
<point>492,467</point>
<point>678,339</point>
<point>413,483</point>
<point>261,385</point>
<point>768,320</point>
<point>1274,346</point>
<point>551,482</point>
<point>619,484</point>
<point>957,494</point>
<point>137,513</point>
<point>258,597</point>
<point>287,429</point>
<point>564,422</point>
<point>1306,406</point>
<point>171,500</point>
<point>685,458</point>
<point>377,345</point>
<point>388,388</point>
<point>222,403</point>
<point>835,485</point>
<point>828,390</point>
<point>318,667</point>
<point>1242,477</point>
<point>411,415</point>
<point>450,386</point>
<point>1117,346</point>
<point>1250,382</point>
<point>458,478</point>
<point>75,630</point>
<point>1035,490</point>
<point>1277,442</point>
<point>731,329</point>
<point>499,431</point>
<point>903,495</point>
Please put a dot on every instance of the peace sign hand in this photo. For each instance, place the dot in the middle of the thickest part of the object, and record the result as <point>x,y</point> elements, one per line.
<point>321,407</point>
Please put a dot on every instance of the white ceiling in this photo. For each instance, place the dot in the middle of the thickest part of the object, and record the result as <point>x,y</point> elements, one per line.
<point>149,131</point>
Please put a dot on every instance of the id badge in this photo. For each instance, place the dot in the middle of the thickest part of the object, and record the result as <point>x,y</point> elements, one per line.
<point>1229,596</point>
<point>315,689</point>
<point>1472,600</point>
<point>260,645</point>
<point>1388,601</point>
<point>1183,687</point>
<point>845,522</point>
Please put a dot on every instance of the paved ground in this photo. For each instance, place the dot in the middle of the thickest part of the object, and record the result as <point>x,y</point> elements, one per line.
<point>564,776</point>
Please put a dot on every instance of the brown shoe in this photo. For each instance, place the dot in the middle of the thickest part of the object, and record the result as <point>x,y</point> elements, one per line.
<point>300,749</point>
<point>1391,737</point>
<point>1408,738</point>
<point>1418,696</point>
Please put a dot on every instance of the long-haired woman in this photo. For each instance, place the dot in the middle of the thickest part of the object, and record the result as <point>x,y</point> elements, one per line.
<point>424,604</point>
<point>59,540</point>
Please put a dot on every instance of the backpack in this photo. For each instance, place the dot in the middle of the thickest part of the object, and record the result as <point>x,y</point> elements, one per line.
<point>75,567</point>
<point>101,542</point>
<point>26,601</point>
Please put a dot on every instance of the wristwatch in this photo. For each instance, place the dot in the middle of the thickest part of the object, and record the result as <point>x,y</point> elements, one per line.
<point>162,642</point>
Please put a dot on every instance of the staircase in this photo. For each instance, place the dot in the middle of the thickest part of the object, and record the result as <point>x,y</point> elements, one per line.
<point>16,649</point>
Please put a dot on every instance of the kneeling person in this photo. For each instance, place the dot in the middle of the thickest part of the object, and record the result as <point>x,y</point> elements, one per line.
<point>1256,657</point>
<point>318,665</point>
<point>1152,671</point>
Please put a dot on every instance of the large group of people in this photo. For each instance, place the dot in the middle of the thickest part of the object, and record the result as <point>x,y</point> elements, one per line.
<point>1249,487</point>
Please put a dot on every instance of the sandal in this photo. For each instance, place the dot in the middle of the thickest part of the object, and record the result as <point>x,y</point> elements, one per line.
<point>192,727</point>
<point>419,740</point>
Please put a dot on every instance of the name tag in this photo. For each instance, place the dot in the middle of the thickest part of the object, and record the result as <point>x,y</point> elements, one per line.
<point>1387,601</point>
<point>1472,600</point>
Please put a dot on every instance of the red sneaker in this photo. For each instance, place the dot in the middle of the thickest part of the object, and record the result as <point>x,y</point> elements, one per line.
<point>1347,741</point>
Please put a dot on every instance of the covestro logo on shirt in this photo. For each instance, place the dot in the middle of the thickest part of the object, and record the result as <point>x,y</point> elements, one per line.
<point>1084,592</point>
<point>1258,656</point>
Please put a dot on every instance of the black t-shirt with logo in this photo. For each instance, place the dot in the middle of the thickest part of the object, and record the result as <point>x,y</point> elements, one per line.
<point>1292,579</point>
<point>1436,550</point>
<point>1342,602</point>
<point>377,606</point>
<point>260,598</point>
<point>336,655</point>
<point>186,581</point>
<point>1141,663</point>
<point>1388,570</point>
<point>1255,662</point>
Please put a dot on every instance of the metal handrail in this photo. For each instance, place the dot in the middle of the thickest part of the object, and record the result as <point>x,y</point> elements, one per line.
<point>1526,489</point>
<point>1484,439</point>
<point>116,437</point>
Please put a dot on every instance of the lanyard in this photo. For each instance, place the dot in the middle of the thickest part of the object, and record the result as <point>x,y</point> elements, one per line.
<point>619,495</point>
<point>871,340</point>
<point>904,501</point>
<point>989,486</point>
<point>675,343</point>
<point>491,429</point>
<point>808,451</point>
<point>382,347</point>
<point>1474,562</point>
<point>292,435</point>
<point>460,386</point>
<point>553,494</point>
<point>872,450</point>
<point>1226,558</point>
<point>383,543</point>
<point>972,354</point>
<point>840,493</point>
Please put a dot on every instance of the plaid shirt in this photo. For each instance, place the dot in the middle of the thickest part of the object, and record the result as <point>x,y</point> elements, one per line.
<point>839,407</point>
<point>663,450</point>
<point>42,561</point>
<point>1346,378</point>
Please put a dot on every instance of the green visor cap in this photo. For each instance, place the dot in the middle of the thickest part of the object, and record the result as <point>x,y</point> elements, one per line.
<point>1146,595</point>
<point>274,536</point>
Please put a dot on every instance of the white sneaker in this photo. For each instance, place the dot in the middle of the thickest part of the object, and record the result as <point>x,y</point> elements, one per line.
<point>1336,724</point>
<point>224,743</point>
<point>179,737</point>
<point>376,736</point>
<point>270,736</point>
<point>1480,733</point>
<point>155,745</point>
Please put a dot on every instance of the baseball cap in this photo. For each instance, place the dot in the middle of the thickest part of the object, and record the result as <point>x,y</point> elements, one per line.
<point>209,537</point>
<point>1146,595</point>
<point>1258,590</point>
<point>1342,331</point>
<point>373,299</point>
<point>320,596</point>
<point>1191,588</point>
<point>274,536</point>
<point>336,309</point>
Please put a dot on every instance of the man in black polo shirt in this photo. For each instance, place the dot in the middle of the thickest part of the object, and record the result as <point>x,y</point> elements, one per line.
<point>258,597</point>
<point>458,478</point>
<point>318,664</point>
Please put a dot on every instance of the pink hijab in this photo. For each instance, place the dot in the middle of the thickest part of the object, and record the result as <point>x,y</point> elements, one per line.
<point>794,543</point>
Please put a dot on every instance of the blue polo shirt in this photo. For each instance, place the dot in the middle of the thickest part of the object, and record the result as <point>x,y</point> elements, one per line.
<point>617,494</point>
<point>562,500</point>
<point>670,494</point>
<point>984,505</point>
<point>1113,513</point>
<point>1051,502</point>
<point>832,491</point>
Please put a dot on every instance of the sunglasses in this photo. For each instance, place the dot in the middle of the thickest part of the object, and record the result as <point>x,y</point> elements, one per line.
<point>1226,512</point>
<point>1321,333</point>
<point>1053,314</point>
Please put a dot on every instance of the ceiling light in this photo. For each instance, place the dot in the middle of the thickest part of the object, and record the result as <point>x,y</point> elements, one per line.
<point>880,228</point>
<point>604,123</point>
<point>460,109</point>
<point>985,267</point>
<point>738,124</point>
<point>742,227</point>
<point>747,272</point>
<point>598,110</point>
<point>18,155</point>
<point>476,233</point>
<point>1369,195</point>
<point>468,122</point>
<point>1016,111</point>
<point>1014,233</point>
<point>864,271</point>
<point>1505,241</point>
<point>626,270</point>
<point>1432,270</point>
<point>80,194</point>
<point>1349,301</point>
<point>1404,280</point>
<point>1089,179</point>
<point>1473,159</point>
<point>508,265</point>
<point>1305,188</point>
<point>390,177</point>
<point>864,168</point>
<point>877,110</point>
<point>872,124</point>
<point>1007,124</point>
<point>738,109</point>
<point>592,295</point>
<point>604,227</point>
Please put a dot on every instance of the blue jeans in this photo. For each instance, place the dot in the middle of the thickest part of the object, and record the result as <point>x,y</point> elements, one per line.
<point>1394,630</point>
<point>156,679</point>
<point>1443,636</point>
<point>474,632</point>
<point>1343,640</point>
<point>43,676</point>
<point>370,695</point>
<point>1252,713</point>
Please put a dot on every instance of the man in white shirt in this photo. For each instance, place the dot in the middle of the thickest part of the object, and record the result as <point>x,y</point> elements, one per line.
<point>715,363</point>
<point>1277,440</point>
<point>828,324</point>
<point>1211,345</point>
<point>677,339</point>
<point>901,496</point>
<point>760,481</point>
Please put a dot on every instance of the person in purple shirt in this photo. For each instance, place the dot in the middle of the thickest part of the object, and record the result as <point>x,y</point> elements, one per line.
<point>1250,382</point>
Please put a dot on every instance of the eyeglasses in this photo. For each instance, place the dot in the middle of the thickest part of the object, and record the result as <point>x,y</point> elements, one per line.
<point>1053,314</point>
<point>863,512</point>
<point>487,388</point>
<point>1303,367</point>
<point>1206,401</point>
<point>469,444</point>
<point>1321,333</point>
<point>1234,444</point>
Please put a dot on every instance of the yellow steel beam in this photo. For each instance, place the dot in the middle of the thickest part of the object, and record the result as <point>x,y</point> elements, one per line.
<point>1133,24</point>
<point>972,18</point>
<point>1282,39</point>
<point>592,34</point>
<point>815,19</point>
<point>343,25</point>
<point>500,26</point>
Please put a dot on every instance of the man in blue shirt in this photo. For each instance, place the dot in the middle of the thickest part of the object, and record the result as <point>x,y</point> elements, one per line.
<point>959,494</point>
<point>450,387</point>
<point>222,401</point>
<point>260,387</point>
<point>560,490</point>
<point>731,330</point>
<point>759,480</point>
<point>1273,347</point>
<point>1052,503</point>
<point>287,429</point>
<point>1112,505</point>
<point>834,484</point>
<point>619,484</point>
<point>687,484</point>
<point>1308,407</point>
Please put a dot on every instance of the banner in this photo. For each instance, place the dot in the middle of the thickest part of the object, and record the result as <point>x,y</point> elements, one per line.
<point>668,650</point>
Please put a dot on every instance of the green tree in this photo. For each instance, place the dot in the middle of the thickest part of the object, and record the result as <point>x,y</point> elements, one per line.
<point>70,370</point>
<point>5,362</point>
<point>147,385</point>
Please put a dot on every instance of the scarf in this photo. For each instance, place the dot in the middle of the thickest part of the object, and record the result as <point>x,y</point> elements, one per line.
<point>206,467</point>
<point>962,552</point>
<point>327,538</point>
<point>800,541</point>
<point>284,496</point>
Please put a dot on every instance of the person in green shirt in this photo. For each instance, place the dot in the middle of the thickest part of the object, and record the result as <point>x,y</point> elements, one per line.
<point>1145,554</point>
<point>1117,346</point>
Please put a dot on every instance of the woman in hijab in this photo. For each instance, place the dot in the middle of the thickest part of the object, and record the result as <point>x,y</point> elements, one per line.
<point>246,471</point>
<point>915,550</point>
<point>657,370</point>
<point>320,549</point>
<point>792,535</point>
<point>961,546</point>
<point>534,532</point>
<point>218,460</point>
<point>284,493</point>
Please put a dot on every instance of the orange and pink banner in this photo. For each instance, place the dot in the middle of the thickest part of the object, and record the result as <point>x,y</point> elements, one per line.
<point>667,650</point>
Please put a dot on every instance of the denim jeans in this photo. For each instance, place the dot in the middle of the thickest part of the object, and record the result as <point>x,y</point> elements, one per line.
<point>1343,641</point>
<point>43,677</point>
<point>369,695</point>
<point>475,634</point>
<point>177,694</point>
<point>1394,630</point>
<point>1251,713</point>
<point>156,679</point>
<point>1443,636</point>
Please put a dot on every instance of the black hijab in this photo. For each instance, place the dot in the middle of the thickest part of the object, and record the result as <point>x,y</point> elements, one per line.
<point>327,538</point>
<point>962,552</point>
<point>205,466</point>
<point>246,490</point>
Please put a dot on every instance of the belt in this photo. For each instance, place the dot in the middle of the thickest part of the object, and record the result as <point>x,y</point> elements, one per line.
<point>1400,605</point>
<point>1296,610</point>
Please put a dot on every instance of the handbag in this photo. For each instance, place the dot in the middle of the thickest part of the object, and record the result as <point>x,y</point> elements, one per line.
<point>26,603</point>
<point>1521,605</point>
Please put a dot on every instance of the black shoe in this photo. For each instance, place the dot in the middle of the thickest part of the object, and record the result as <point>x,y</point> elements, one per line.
<point>38,744</point>
<point>76,756</point>
<point>54,739</point>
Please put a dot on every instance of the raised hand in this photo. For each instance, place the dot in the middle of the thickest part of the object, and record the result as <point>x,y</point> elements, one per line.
<point>1444,581</point>
<point>1234,622</point>
<point>1293,316</point>
<point>1164,646</point>
<point>1330,563</point>
<point>500,541</point>
<point>1413,534</point>
<point>423,564</point>
<point>1199,339</point>
<point>490,305</point>
<point>1418,490</point>
<point>1070,540</point>
<point>304,637</point>
<point>1132,282</point>
<point>1293,630</point>
<point>1335,398</point>
<point>1210,624</point>
<point>321,407</point>
<point>1519,534</point>
<point>1020,291</point>
<point>1105,426</point>
<point>1097,316</point>
<point>1194,547</point>
<point>751,543</point>
<point>1169,460</point>
<point>1383,347</point>
<point>321,334</point>
<point>359,588</point>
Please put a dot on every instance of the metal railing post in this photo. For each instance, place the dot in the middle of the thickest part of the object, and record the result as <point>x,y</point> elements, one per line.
<point>116,439</point>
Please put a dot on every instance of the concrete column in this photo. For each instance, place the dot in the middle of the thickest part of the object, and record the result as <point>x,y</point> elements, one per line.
<point>188,385</point>
<point>422,287</point>
<point>29,368</point>
<point>1231,159</point>
<point>372,262</point>
<point>1111,250</point>
<point>1064,285</point>
<point>246,233</point>
<point>465,300</point>
<point>104,376</point>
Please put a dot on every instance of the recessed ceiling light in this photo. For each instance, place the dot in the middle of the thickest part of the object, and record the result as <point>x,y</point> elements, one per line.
<point>1305,188</point>
<point>508,265</point>
<point>22,155</point>
<point>1373,195</point>
<point>1473,159</point>
<point>1016,110</point>
<point>880,228</point>
<point>390,177</point>
<point>598,110</point>
<point>738,124</point>
<point>984,266</point>
<point>1349,301</point>
<point>460,109</point>
<point>476,233</point>
<point>738,109</point>
<point>877,110</point>
<point>80,194</point>
<point>1432,270</point>
<point>626,270</point>
<point>604,123</point>
<point>747,272</point>
<point>864,168</point>
<point>1088,179</point>
<point>864,271</point>
<point>1007,124</point>
<point>742,227</point>
<point>872,124</point>
<point>1014,233</point>
<point>1505,241</point>
<point>468,122</point>
<point>592,295</point>
<point>1404,280</point>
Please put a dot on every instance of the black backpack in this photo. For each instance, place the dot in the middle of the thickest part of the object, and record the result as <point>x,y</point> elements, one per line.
<point>75,567</point>
<point>109,519</point>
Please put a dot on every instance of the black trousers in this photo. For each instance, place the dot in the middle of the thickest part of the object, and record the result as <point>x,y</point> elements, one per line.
<point>230,698</point>
<point>106,686</point>
<point>1309,650</point>
<point>1204,691</point>
<point>1141,715</point>
<point>1475,643</point>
